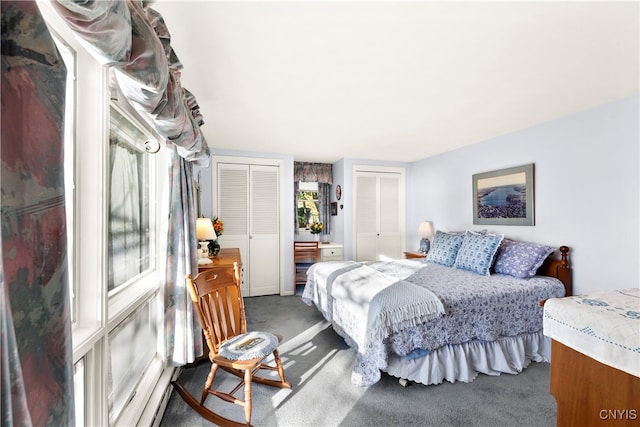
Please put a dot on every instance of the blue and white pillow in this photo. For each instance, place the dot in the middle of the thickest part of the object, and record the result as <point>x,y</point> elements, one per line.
<point>444,248</point>
<point>250,345</point>
<point>520,259</point>
<point>477,252</point>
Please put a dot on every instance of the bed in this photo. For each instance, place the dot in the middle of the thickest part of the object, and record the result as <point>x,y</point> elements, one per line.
<point>595,369</point>
<point>460,312</point>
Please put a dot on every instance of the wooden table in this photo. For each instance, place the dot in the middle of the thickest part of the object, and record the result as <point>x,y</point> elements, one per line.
<point>226,256</point>
<point>414,254</point>
<point>590,393</point>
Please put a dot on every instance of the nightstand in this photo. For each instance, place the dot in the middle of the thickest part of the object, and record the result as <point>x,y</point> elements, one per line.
<point>330,251</point>
<point>414,254</point>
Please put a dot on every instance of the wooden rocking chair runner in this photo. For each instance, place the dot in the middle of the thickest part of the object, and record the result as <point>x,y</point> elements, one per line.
<point>220,307</point>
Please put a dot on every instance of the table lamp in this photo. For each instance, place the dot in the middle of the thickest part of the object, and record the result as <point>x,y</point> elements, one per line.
<point>425,231</point>
<point>204,232</point>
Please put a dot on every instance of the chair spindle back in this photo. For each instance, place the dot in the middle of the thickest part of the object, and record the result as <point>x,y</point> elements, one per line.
<point>218,301</point>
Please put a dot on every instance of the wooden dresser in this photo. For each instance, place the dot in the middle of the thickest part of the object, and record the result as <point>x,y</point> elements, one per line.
<point>226,256</point>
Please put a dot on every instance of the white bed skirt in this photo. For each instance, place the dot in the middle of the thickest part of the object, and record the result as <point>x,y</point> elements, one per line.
<point>464,362</point>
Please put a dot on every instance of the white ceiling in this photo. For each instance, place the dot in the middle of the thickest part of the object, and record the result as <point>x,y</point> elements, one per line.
<point>325,80</point>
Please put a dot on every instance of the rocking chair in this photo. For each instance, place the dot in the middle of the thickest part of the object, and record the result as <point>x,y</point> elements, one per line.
<point>216,296</point>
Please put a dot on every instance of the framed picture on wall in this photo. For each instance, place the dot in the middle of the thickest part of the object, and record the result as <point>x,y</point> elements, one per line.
<point>504,197</point>
<point>334,208</point>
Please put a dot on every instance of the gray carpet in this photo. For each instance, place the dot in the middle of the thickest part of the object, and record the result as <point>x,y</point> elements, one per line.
<point>318,365</point>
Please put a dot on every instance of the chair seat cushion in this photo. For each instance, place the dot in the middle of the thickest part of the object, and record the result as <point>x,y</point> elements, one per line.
<point>247,346</point>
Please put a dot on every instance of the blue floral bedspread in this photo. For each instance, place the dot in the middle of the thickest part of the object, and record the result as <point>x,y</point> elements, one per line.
<point>480,308</point>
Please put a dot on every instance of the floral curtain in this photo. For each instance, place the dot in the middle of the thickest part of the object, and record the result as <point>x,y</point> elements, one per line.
<point>296,187</point>
<point>313,172</point>
<point>35,328</point>
<point>182,342</point>
<point>136,43</point>
<point>134,40</point>
<point>324,195</point>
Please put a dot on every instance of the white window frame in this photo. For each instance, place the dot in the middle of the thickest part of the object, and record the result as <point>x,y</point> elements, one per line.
<point>97,312</point>
<point>126,299</point>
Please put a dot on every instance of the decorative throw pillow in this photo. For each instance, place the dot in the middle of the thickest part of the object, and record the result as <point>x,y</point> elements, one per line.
<point>444,248</point>
<point>485,231</point>
<point>249,346</point>
<point>520,259</point>
<point>477,252</point>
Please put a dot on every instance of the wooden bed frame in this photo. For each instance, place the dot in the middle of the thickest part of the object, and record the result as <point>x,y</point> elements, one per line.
<point>560,269</point>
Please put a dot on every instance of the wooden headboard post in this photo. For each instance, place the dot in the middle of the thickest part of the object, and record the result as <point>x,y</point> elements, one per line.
<point>560,269</point>
<point>564,270</point>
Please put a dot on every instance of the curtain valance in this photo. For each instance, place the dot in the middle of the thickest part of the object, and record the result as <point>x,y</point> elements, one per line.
<point>133,38</point>
<point>313,172</point>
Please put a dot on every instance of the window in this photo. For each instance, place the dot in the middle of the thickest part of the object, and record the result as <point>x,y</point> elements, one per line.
<point>132,347</point>
<point>114,273</point>
<point>132,277</point>
<point>129,200</point>
<point>307,203</point>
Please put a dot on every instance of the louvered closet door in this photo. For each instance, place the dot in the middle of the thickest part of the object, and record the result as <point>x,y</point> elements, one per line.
<point>379,215</point>
<point>389,221</point>
<point>248,204</point>
<point>366,216</point>
<point>233,210</point>
<point>264,240</point>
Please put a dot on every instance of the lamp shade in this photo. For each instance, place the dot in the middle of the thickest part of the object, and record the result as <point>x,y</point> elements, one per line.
<point>204,229</point>
<point>425,231</point>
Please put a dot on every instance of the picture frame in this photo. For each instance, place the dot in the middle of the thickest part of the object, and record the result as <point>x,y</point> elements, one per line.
<point>334,208</point>
<point>504,197</point>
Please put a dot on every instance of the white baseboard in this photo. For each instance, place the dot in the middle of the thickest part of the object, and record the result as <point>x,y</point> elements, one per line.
<point>154,410</point>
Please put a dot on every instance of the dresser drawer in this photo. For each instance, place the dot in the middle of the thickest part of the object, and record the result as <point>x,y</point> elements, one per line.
<point>331,254</point>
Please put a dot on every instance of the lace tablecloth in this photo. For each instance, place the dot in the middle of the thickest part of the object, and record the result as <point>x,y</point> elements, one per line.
<point>604,326</point>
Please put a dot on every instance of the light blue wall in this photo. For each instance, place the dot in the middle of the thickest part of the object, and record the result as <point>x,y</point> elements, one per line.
<point>586,190</point>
